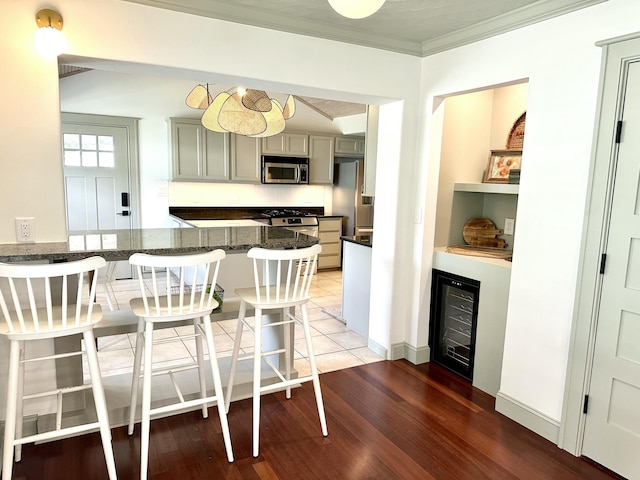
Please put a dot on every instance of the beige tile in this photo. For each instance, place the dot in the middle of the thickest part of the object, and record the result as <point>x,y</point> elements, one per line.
<point>336,361</point>
<point>366,355</point>
<point>114,342</point>
<point>111,360</point>
<point>302,366</point>
<point>328,301</point>
<point>170,351</point>
<point>321,345</point>
<point>330,325</point>
<point>299,331</point>
<point>229,326</point>
<point>348,339</point>
<point>315,312</point>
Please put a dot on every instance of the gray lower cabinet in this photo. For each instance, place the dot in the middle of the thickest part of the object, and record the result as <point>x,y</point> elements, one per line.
<point>329,232</point>
<point>356,287</point>
<point>198,153</point>
<point>321,159</point>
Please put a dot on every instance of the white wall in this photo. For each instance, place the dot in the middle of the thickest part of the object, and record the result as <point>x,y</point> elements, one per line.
<point>562,64</point>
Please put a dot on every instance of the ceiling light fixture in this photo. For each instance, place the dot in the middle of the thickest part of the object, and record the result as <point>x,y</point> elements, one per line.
<point>50,41</point>
<point>241,111</point>
<point>356,9</point>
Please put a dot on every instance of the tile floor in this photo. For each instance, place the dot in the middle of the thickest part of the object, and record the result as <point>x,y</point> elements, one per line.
<point>335,345</point>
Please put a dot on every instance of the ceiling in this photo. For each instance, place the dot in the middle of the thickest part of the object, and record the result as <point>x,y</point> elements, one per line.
<point>414,27</point>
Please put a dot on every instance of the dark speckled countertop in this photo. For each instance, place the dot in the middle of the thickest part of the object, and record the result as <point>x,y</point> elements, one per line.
<point>120,244</point>
<point>365,240</point>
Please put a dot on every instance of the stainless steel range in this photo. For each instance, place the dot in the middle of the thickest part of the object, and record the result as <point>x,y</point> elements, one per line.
<point>294,220</point>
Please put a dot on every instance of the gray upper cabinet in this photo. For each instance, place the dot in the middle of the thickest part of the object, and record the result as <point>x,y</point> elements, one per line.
<point>295,144</point>
<point>245,159</point>
<point>198,153</point>
<point>350,146</point>
<point>321,159</point>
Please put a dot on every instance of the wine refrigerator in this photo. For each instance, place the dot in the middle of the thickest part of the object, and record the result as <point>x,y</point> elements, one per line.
<point>454,315</point>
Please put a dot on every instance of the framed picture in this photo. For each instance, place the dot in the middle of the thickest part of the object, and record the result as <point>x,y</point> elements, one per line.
<point>500,163</point>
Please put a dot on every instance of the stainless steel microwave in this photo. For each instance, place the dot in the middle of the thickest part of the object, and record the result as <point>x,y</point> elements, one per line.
<point>285,169</point>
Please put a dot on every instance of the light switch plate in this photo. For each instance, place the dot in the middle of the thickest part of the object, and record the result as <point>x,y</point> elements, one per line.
<point>509,224</point>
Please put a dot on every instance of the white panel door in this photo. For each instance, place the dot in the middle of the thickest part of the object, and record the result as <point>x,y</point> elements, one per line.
<point>96,180</point>
<point>612,428</point>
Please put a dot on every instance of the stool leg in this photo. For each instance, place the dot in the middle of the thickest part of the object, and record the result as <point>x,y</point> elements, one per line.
<point>217,386</point>
<point>146,400</point>
<point>287,347</point>
<point>20,405</point>
<point>135,376</point>
<point>100,403</point>
<point>257,366</point>
<point>10,412</point>
<point>236,351</point>
<point>200,358</point>
<point>314,369</point>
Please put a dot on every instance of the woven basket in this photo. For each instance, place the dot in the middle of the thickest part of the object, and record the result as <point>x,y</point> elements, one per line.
<point>515,140</point>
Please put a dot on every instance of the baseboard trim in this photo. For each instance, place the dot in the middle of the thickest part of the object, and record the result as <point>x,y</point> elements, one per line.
<point>414,355</point>
<point>528,417</point>
<point>377,348</point>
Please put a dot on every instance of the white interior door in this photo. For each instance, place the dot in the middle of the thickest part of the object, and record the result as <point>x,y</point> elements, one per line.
<point>612,428</point>
<point>97,181</point>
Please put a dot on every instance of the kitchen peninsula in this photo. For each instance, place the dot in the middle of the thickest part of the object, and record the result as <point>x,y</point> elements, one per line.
<point>120,244</point>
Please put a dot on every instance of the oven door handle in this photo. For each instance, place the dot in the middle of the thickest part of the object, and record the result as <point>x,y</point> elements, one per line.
<point>298,174</point>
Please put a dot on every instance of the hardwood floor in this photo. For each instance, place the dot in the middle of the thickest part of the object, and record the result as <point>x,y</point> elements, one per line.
<point>386,420</point>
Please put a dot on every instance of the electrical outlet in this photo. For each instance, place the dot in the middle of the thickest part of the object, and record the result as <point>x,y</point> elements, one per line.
<point>508,226</point>
<point>25,229</point>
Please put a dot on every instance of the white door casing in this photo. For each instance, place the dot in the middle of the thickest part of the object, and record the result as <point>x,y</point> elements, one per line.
<point>100,176</point>
<point>612,428</point>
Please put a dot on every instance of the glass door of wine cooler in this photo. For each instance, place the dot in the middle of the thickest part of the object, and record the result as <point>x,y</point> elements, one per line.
<point>454,313</point>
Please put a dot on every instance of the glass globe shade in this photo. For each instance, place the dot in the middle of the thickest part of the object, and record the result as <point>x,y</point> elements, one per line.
<point>356,9</point>
<point>50,42</point>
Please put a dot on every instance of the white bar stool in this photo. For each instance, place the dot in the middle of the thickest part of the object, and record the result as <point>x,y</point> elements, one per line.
<point>44,302</point>
<point>192,298</point>
<point>288,275</point>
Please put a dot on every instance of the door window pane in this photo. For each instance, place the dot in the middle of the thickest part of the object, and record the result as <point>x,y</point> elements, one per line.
<point>71,141</point>
<point>89,159</point>
<point>89,142</point>
<point>105,143</point>
<point>106,159</point>
<point>72,158</point>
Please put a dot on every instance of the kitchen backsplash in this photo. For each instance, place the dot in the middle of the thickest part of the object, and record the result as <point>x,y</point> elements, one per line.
<point>223,194</point>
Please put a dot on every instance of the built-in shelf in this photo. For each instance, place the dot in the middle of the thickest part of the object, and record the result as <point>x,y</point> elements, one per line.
<point>505,188</point>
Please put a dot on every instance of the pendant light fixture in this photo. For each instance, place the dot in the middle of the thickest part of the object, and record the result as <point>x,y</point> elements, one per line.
<point>356,9</point>
<point>50,41</point>
<point>241,111</point>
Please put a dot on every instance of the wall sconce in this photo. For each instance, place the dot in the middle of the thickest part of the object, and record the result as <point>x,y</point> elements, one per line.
<point>50,41</point>
<point>356,9</point>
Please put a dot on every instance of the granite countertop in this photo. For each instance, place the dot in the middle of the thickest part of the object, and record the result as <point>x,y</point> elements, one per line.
<point>365,240</point>
<point>120,244</point>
